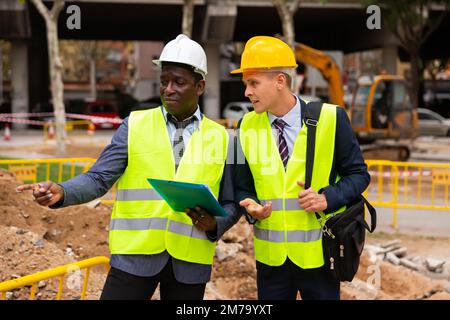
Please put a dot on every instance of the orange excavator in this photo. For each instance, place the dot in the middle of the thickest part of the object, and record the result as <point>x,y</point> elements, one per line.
<point>381,112</point>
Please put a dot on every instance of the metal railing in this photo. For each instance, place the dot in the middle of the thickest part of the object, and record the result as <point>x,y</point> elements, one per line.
<point>409,185</point>
<point>58,272</point>
<point>57,170</point>
<point>397,185</point>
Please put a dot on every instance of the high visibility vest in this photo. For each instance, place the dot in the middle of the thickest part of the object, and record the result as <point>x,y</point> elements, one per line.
<point>289,231</point>
<point>142,222</point>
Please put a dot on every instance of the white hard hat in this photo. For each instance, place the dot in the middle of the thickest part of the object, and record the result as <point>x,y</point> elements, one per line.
<point>186,51</point>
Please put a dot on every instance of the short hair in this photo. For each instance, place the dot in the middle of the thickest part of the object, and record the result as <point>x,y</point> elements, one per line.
<point>285,71</point>
<point>288,79</point>
<point>197,76</point>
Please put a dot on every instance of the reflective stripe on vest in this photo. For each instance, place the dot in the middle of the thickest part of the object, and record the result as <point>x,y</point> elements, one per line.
<point>289,231</point>
<point>277,204</point>
<point>186,230</point>
<point>138,224</point>
<point>142,222</point>
<point>157,224</point>
<point>137,195</point>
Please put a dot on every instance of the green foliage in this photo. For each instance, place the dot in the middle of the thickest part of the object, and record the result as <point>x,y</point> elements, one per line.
<point>410,20</point>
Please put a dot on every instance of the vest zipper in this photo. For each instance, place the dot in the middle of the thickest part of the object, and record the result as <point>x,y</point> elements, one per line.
<point>342,250</point>
<point>331,263</point>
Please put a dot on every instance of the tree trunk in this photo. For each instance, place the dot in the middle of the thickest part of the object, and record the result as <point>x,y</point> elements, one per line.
<point>415,75</point>
<point>57,87</point>
<point>55,68</point>
<point>93,79</point>
<point>287,21</point>
<point>188,13</point>
<point>288,30</point>
<point>1,72</point>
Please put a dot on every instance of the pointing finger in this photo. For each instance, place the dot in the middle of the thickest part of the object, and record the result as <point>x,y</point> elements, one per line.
<point>24,187</point>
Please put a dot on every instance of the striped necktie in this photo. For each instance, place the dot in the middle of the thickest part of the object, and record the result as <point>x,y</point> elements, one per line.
<point>282,145</point>
<point>178,143</point>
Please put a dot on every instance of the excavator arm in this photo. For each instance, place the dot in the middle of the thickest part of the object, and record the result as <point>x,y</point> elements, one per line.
<point>327,67</point>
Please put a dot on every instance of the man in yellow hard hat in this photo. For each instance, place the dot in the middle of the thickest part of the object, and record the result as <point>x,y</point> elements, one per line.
<point>270,182</point>
<point>149,243</point>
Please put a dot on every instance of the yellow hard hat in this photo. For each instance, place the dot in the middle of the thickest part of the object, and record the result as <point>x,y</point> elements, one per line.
<point>263,52</point>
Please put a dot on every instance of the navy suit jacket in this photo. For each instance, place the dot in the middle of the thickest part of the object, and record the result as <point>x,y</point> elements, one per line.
<point>348,162</point>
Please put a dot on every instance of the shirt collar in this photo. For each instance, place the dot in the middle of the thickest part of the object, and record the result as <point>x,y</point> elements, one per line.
<point>197,115</point>
<point>292,118</point>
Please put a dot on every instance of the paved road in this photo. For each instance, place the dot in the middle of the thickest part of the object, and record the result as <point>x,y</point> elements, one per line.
<point>416,222</point>
<point>26,138</point>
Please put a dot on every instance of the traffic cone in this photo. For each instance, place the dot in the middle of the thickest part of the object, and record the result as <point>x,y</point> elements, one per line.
<point>91,129</point>
<point>51,132</point>
<point>7,134</point>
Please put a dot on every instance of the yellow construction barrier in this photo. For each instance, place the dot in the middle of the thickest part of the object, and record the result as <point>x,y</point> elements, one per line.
<point>58,170</point>
<point>60,272</point>
<point>409,185</point>
<point>49,128</point>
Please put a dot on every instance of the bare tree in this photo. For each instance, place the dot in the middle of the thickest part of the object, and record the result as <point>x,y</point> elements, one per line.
<point>412,23</point>
<point>91,53</point>
<point>286,10</point>
<point>188,13</point>
<point>55,67</point>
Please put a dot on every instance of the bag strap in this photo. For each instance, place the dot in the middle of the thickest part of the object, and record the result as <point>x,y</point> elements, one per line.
<point>312,114</point>
<point>373,216</point>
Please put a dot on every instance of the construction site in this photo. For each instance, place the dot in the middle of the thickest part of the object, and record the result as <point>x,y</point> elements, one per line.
<point>48,254</point>
<point>36,238</point>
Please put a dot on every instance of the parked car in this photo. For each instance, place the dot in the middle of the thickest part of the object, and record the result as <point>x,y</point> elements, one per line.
<point>432,123</point>
<point>104,109</point>
<point>236,110</point>
<point>310,98</point>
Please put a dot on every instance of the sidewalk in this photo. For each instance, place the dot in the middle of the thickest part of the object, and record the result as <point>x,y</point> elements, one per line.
<point>23,143</point>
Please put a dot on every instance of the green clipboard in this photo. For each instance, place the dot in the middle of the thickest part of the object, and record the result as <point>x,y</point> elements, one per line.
<point>182,195</point>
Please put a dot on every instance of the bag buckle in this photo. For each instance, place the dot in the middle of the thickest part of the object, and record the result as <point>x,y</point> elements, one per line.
<point>311,122</point>
<point>326,230</point>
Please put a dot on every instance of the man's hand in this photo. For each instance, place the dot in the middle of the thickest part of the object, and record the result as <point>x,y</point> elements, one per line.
<point>201,219</point>
<point>45,193</point>
<point>310,200</point>
<point>256,210</point>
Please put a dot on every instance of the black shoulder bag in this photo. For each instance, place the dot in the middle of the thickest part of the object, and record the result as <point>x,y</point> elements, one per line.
<point>343,234</point>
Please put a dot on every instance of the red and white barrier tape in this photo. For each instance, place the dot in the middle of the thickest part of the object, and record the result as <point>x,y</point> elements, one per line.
<point>26,114</point>
<point>94,119</point>
<point>401,174</point>
<point>23,121</point>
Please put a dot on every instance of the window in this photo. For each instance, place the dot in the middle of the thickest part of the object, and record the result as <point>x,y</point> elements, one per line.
<point>235,108</point>
<point>428,116</point>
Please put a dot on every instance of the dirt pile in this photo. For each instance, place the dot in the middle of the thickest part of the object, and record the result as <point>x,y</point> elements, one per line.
<point>34,238</point>
<point>25,252</point>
